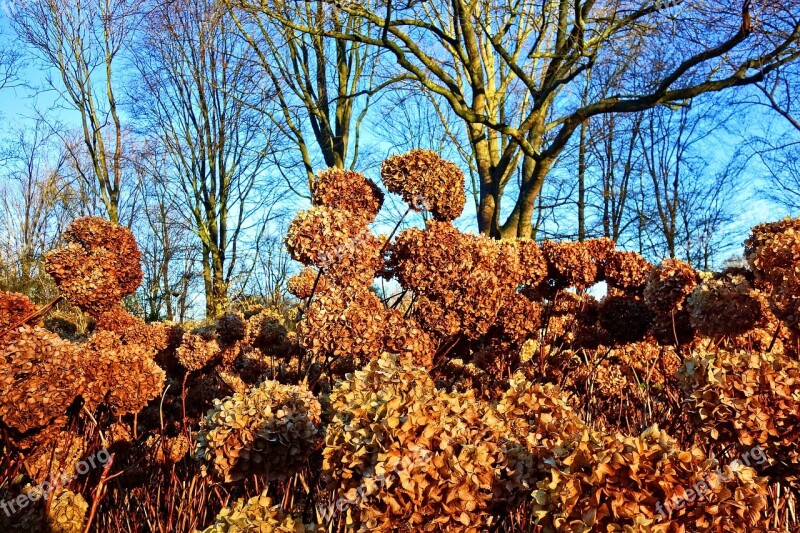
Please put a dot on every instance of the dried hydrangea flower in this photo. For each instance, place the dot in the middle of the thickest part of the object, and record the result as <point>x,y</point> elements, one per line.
<point>231,327</point>
<point>459,279</point>
<point>345,189</point>
<point>99,265</point>
<point>67,512</point>
<point>668,286</point>
<point>626,318</point>
<point>306,282</point>
<point>773,248</point>
<point>725,307</point>
<point>569,264</point>
<point>259,514</point>
<point>196,352</point>
<point>40,376</point>
<point>628,271</point>
<point>426,182</point>
<point>746,398</point>
<point>616,482</point>
<point>13,308</point>
<point>442,457</point>
<point>336,241</point>
<point>122,376</point>
<point>269,430</point>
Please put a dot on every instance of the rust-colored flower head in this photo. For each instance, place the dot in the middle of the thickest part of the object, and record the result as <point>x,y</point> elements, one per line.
<point>303,283</point>
<point>600,250</point>
<point>426,182</point>
<point>726,307</point>
<point>345,189</point>
<point>668,286</point>
<point>519,319</point>
<point>521,262</point>
<point>338,242</point>
<point>343,322</point>
<point>98,266</point>
<point>13,308</point>
<point>130,329</point>
<point>626,318</point>
<point>615,483</point>
<point>404,337</point>
<point>569,264</point>
<point>40,376</point>
<point>460,280</point>
<point>627,271</point>
<point>196,352</point>
<point>269,430</point>
<point>123,377</point>
<point>773,249</point>
<point>267,332</point>
<point>231,327</point>
<point>722,400</point>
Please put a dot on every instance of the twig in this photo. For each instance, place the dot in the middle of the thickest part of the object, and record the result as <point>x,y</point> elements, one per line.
<point>98,492</point>
<point>39,313</point>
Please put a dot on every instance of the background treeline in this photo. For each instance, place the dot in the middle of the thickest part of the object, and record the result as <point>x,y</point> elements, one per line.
<point>670,127</point>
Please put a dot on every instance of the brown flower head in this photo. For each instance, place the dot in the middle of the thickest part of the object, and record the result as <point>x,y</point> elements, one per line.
<point>613,483</point>
<point>98,266</point>
<point>426,182</point>
<point>123,377</point>
<point>13,308</point>
<point>196,352</point>
<point>626,318</point>
<point>390,418</point>
<point>342,323</point>
<point>627,271</point>
<point>303,283</point>
<point>726,307</point>
<point>258,514</point>
<point>668,286</point>
<point>569,264</point>
<point>344,189</point>
<point>270,430</point>
<point>336,241</point>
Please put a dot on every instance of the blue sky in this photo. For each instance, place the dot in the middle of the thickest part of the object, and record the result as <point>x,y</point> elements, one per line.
<point>18,106</point>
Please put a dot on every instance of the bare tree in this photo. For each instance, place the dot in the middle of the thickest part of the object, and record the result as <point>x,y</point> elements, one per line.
<point>778,146</point>
<point>32,199</point>
<point>82,40</point>
<point>323,87</point>
<point>11,62</point>
<point>197,94</point>
<point>685,201</point>
<point>508,68</point>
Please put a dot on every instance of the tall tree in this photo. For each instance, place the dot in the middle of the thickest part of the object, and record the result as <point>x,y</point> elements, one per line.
<point>11,62</point>
<point>686,196</point>
<point>778,145</point>
<point>198,94</point>
<point>509,68</point>
<point>323,87</point>
<point>33,196</point>
<point>81,41</point>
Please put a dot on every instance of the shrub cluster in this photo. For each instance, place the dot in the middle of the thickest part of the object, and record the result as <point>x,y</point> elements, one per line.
<point>492,393</point>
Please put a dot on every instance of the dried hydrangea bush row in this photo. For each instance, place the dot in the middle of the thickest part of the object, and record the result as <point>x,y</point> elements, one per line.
<point>494,393</point>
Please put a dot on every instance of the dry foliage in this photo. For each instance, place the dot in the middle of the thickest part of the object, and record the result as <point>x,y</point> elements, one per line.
<point>493,393</point>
